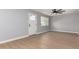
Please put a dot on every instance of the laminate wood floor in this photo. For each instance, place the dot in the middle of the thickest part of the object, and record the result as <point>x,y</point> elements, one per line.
<point>49,40</point>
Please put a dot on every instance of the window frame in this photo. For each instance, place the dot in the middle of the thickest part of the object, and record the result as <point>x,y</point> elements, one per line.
<point>45,21</point>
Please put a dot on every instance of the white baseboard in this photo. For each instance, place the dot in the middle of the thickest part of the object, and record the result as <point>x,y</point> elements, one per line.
<point>68,32</point>
<point>17,38</point>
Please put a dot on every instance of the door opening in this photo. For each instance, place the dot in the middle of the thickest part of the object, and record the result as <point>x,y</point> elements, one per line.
<point>32,24</point>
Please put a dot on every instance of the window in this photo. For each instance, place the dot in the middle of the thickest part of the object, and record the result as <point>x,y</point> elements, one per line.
<point>44,21</point>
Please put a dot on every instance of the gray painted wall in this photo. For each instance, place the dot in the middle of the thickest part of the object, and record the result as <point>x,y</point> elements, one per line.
<point>14,23</point>
<point>65,23</point>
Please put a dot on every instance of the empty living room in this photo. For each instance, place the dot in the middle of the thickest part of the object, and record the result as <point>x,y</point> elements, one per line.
<point>39,28</point>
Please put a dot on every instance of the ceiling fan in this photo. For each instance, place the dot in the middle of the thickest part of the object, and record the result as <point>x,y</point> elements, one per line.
<point>57,11</point>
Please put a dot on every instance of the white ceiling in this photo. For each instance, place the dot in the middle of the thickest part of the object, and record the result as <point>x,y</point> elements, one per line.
<point>48,11</point>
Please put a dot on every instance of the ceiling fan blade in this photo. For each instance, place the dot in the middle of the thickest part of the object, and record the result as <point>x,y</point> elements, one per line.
<point>59,10</point>
<point>63,10</point>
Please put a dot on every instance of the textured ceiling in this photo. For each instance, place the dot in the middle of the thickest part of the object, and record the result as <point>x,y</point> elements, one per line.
<point>48,11</point>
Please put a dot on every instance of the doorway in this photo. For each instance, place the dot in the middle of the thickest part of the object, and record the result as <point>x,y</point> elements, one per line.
<point>32,24</point>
